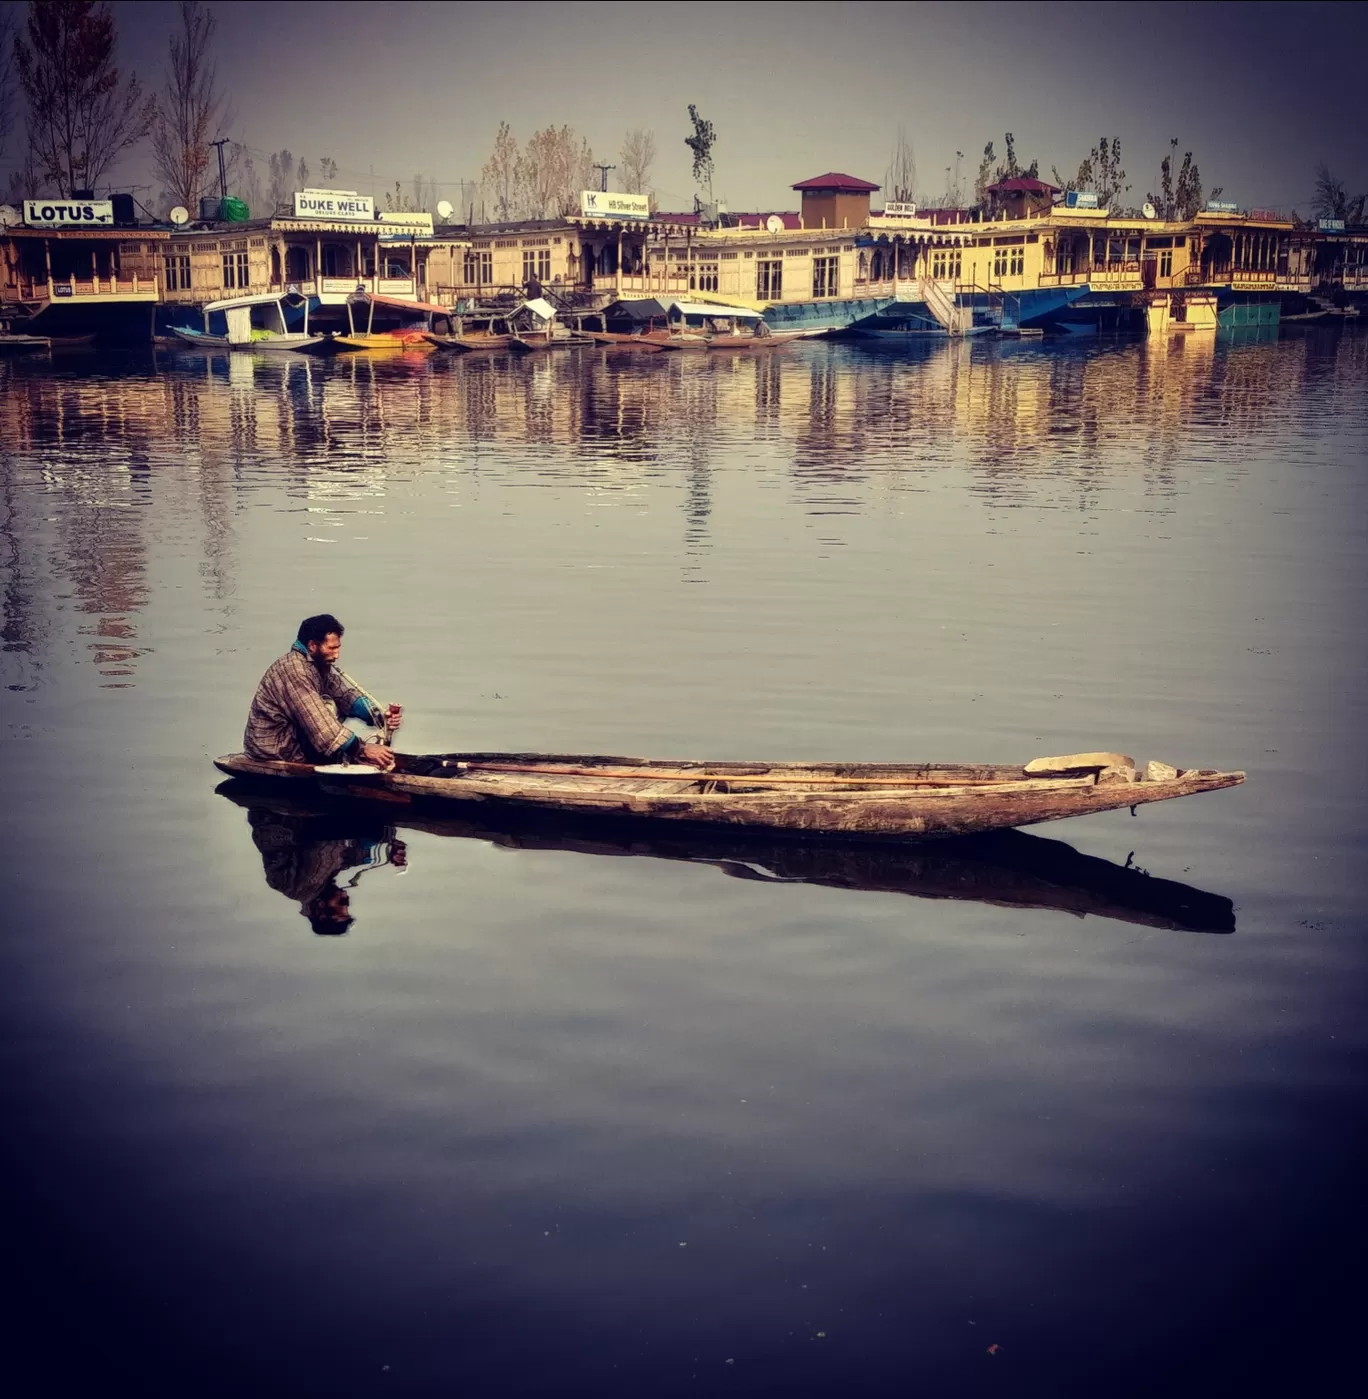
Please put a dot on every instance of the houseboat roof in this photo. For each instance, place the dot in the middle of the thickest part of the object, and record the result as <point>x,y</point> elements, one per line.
<point>1022,184</point>
<point>842,184</point>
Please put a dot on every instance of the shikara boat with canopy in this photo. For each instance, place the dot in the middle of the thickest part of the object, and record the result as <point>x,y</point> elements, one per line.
<point>268,321</point>
<point>857,800</point>
<point>389,323</point>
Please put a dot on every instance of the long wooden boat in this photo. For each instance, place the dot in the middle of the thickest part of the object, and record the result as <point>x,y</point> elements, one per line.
<point>863,800</point>
<point>1008,869</point>
<point>467,343</point>
<point>646,340</point>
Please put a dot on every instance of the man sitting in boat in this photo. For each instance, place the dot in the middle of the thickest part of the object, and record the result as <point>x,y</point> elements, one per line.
<point>298,710</point>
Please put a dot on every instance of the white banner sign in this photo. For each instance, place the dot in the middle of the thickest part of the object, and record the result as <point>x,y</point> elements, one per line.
<point>334,204</point>
<point>894,210</point>
<point>69,213</point>
<point>408,223</point>
<point>603,204</point>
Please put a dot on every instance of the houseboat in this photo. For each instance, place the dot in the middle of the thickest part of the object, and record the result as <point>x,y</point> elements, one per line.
<point>74,269</point>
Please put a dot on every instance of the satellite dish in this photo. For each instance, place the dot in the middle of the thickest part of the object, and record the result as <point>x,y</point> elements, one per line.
<point>9,216</point>
<point>774,224</point>
<point>445,209</point>
<point>1149,210</point>
<point>180,215</point>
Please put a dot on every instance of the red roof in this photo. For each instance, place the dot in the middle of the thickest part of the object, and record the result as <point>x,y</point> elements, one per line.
<point>1022,184</point>
<point>842,184</point>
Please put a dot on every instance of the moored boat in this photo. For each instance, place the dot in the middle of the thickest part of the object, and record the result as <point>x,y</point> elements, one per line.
<point>864,800</point>
<point>259,322</point>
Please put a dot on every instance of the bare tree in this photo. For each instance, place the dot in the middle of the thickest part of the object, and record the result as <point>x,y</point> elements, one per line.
<point>191,111</point>
<point>8,89</point>
<point>635,160</point>
<point>81,114</point>
<point>281,168</point>
<point>243,175</point>
<point>900,179</point>
<point>327,168</point>
<point>499,177</point>
<point>552,169</point>
<point>1332,199</point>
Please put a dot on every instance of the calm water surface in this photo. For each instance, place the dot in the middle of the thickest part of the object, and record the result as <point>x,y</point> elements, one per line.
<point>573,1113</point>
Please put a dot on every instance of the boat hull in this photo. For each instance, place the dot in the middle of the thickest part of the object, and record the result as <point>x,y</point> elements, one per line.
<point>882,801</point>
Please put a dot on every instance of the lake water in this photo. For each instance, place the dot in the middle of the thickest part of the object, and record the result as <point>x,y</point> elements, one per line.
<point>578,1114</point>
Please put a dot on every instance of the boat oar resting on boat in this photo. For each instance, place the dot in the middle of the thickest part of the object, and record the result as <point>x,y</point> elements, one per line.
<point>878,800</point>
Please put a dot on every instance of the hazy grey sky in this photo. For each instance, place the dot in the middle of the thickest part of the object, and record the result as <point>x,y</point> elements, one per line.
<point>1259,92</point>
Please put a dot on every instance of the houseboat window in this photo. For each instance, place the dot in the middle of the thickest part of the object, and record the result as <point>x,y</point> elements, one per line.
<point>1016,266</point>
<point>826,276</point>
<point>946,264</point>
<point>536,263</point>
<point>769,279</point>
<point>1166,264</point>
<point>862,268</point>
<point>235,272</point>
<point>479,268</point>
<point>296,264</point>
<point>703,277</point>
<point>177,271</point>
<point>396,266</point>
<point>337,260</point>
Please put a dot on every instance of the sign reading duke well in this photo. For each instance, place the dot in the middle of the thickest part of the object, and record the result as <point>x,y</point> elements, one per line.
<point>334,204</point>
<point>69,213</point>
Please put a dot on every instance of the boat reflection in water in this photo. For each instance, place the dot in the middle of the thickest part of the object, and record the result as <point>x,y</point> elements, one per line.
<point>314,852</point>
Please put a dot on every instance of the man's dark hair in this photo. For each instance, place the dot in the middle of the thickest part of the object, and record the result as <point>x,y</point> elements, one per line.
<point>319,628</point>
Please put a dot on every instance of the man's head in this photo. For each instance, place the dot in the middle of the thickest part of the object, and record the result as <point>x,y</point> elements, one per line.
<point>329,913</point>
<point>322,637</point>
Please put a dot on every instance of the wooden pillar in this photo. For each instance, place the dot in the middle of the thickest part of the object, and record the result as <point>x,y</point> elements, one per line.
<point>318,265</point>
<point>619,260</point>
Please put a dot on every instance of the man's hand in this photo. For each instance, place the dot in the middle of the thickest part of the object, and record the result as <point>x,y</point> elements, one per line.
<point>378,756</point>
<point>394,716</point>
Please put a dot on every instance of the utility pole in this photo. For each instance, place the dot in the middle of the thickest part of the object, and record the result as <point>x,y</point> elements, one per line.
<point>603,175</point>
<point>223,172</point>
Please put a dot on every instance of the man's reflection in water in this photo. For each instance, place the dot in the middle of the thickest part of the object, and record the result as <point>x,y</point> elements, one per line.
<point>315,861</point>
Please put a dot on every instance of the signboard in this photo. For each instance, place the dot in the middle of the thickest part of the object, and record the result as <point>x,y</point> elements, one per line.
<point>1266,215</point>
<point>895,210</point>
<point>334,204</point>
<point>1080,199</point>
<point>1222,206</point>
<point>61,289</point>
<point>419,223</point>
<point>604,204</point>
<point>69,213</point>
<point>1330,225</point>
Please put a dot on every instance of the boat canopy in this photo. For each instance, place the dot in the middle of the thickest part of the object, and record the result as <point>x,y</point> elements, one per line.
<point>540,307</point>
<point>426,308</point>
<point>648,309</point>
<point>232,303</point>
<point>699,308</point>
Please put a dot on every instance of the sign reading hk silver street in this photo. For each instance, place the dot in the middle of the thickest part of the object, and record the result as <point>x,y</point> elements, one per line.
<point>69,213</point>
<point>334,204</point>
<point>603,204</point>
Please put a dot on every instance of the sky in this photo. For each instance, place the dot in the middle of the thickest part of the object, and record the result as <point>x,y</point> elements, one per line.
<point>1259,92</point>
